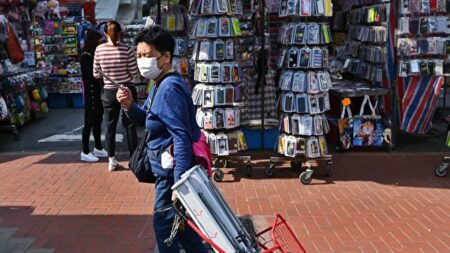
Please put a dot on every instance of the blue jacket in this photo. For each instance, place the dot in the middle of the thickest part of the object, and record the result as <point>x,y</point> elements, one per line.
<point>171,120</point>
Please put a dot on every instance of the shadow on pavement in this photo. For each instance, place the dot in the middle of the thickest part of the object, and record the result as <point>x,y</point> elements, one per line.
<point>79,233</point>
<point>400,169</point>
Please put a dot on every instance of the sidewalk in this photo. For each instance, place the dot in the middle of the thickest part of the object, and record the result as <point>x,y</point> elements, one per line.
<point>375,202</point>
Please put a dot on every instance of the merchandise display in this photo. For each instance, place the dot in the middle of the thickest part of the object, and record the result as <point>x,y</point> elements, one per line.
<point>423,50</point>
<point>304,81</point>
<point>56,45</point>
<point>23,90</point>
<point>365,58</point>
<point>217,73</point>
<point>365,53</point>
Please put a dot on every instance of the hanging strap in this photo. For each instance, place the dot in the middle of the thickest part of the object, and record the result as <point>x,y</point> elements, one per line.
<point>363,105</point>
<point>348,110</point>
<point>147,133</point>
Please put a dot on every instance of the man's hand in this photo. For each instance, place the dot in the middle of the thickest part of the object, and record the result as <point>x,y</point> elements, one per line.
<point>125,97</point>
<point>174,196</point>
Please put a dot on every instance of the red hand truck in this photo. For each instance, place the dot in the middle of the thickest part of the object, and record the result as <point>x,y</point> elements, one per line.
<point>278,238</point>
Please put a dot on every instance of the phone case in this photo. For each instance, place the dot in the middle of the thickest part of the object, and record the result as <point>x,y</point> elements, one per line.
<point>291,147</point>
<point>233,142</point>
<point>293,58</point>
<point>229,51</point>
<point>208,97</point>
<point>324,81</point>
<point>302,103</point>
<point>313,33</point>
<point>314,105</point>
<point>219,95</point>
<point>218,118</point>
<point>222,6</point>
<point>224,27</point>
<point>304,59</point>
<point>289,102</point>
<point>208,121</point>
<point>200,116</point>
<point>316,58</point>
<point>306,125</point>
<point>313,83</point>
<point>305,8</point>
<point>229,95</point>
<point>212,28</point>
<point>226,73</point>
<point>298,82</point>
<point>318,125</point>
<point>222,145</point>
<point>286,80</point>
<point>299,35</point>
<point>219,49</point>
<point>230,118</point>
<point>204,53</point>
<point>295,124</point>
<point>202,25</point>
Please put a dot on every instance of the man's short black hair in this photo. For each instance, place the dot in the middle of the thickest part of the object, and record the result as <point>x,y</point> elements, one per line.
<point>159,37</point>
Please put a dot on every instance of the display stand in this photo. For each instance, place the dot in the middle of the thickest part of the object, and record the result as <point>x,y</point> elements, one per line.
<point>217,76</point>
<point>368,59</point>
<point>22,86</point>
<point>423,49</point>
<point>304,84</point>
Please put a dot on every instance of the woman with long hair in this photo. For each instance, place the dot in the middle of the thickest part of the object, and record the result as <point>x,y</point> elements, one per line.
<point>93,108</point>
<point>117,61</point>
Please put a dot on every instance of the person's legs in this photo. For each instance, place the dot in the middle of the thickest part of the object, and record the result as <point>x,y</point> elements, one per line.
<point>97,128</point>
<point>88,122</point>
<point>130,127</point>
<point>162,221</point>
<point>112,110</point>
<point>130,132</point>
<point>191,241</point>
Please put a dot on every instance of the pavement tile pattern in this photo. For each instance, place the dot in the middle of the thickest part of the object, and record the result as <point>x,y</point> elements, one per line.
<point>373,202</point>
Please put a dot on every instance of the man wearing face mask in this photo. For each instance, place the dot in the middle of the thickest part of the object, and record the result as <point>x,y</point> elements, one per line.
<point>169,116</point>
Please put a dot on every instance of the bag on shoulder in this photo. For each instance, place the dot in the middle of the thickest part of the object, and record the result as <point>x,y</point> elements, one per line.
<point>138,164</point>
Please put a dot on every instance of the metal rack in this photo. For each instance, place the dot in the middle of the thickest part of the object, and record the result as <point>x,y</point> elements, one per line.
<point>299,162</point>
<point>218,173</point>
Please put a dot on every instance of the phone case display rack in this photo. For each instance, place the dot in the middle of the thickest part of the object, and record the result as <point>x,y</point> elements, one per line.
<point>57,51</point>
<point>368,60</point>
<point>304,84</point>
<point>423,50</point>
<point>218,77</point>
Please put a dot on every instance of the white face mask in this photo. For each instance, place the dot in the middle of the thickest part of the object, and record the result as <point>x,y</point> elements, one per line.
<point>148,67</point>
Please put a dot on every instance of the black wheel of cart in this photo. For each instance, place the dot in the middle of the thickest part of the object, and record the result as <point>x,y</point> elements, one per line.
<point>249,169</point>
<point>269,170</point>
<point>441,170</point>
<point>306,177</point>
<point>218,175</point>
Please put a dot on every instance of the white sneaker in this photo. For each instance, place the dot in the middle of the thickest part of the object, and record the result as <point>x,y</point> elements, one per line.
<point>89,158</point>
<point>113,164</point>
<point>100,153</point>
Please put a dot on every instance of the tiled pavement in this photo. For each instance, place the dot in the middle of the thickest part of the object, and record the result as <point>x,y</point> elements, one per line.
<point>374,202</point>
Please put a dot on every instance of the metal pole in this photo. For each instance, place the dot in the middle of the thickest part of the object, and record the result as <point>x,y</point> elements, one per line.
<point>158,17</point>
<point>262,68</point>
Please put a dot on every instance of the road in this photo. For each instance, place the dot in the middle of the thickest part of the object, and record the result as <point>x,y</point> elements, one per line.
<point>60,130</point>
